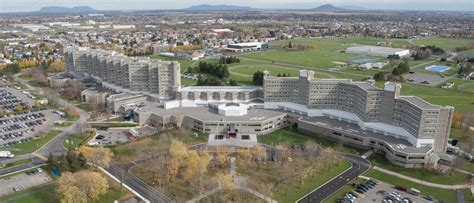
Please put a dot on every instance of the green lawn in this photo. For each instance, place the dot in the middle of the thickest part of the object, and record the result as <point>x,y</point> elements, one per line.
<point>452,178</point>
<point>46,194</point>
<point>74,141</point>
<point>459,83</point>
<point>283,137</point>
<point>326,53</point>
<point>288,136</point>
<point>42,193</point>
<point>273,69</point>
<point>461,101</point>
<point>33,145</point>
<point>440,194</point>
<point>311,58</point>
<point>16,163</point>
<point>469,52</point>
<point>185,64</point>
<point>445,43</point>
<point>295,193</point>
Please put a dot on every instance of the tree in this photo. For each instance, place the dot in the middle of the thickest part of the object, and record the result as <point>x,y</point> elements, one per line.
<point>56,67</point>
<point>379,76</point>
<point>257,78</point>
<point>98,156</point>
<point>73,112</point>
<point>82,186</point>
<point>232,82</point>
<point>192,161</point>
<point>73,89</point>
<point>396,71</point>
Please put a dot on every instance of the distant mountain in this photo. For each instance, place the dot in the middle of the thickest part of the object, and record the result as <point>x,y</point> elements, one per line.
<point>60,9</point>
<point>206,7</point>
<point>357,8</point>
<point>328,7</point>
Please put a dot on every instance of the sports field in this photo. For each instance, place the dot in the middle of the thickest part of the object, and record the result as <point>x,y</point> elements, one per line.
<point>326,53</point>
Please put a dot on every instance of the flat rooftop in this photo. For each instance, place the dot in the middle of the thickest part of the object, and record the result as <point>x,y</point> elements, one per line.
<point>220,89</point>
<point>375,49</point>
<point>418,102</point>
<point>207,114</point>
<point>355,129</point>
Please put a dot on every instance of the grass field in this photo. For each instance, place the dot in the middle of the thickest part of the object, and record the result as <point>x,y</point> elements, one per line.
<point>16,163</point>
<point>289,136</point>
<point>74,141</point>
<point>458,82</point>
<point>422,174</point>
<point>461,101</point>
<point>445,43</point>
<point>273,69</point>
<point>326,53</point>
<point>33,145</point>
<point>185,64</point>
<point>440,194</point>
<point>46,193</point>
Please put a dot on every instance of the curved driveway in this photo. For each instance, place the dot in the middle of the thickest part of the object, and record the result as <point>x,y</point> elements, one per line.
<point>359,166</point>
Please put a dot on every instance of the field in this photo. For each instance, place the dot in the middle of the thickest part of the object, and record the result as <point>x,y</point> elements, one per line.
<point>441,194</point>
<point>74,141</point>
<point>46,193</point>
<point>33,145</point>
<point>185,64</point>
<point>289,136</point>
<point>422,174</point>
<point>326,54</point>
<point>461,101</point>
<point>464,85</point>
<point>445,43</point>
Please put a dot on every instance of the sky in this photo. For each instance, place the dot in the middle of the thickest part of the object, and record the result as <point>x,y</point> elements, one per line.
<point>34,5</point>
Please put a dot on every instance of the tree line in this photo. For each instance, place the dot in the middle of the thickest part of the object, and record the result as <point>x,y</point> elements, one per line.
<point>228,60</point>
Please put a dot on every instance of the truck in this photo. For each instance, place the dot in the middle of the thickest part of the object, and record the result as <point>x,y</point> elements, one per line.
<point>6,154</point>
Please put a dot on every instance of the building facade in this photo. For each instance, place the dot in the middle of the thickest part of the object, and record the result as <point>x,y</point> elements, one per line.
<point>400,123</point>
<point>126,74</point>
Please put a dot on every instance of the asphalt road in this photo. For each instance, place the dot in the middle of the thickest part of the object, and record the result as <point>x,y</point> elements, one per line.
<point>22,167</point>
<point>136,184</point>
<point>359,166</point>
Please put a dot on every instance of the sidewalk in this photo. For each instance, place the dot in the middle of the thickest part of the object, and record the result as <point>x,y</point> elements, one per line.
<point>430,184</point>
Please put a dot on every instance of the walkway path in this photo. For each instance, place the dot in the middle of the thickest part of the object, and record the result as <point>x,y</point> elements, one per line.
<point>430,184</point>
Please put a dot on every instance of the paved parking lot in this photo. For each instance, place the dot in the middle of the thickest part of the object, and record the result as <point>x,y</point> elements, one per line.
<point>113,136</point>
<point>22,126</point>
<point>22,181</point>
<point>382,190</point>
<point>418,78</point>
<point>110,137</point>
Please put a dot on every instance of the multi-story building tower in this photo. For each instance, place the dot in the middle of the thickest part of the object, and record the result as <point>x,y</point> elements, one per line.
<point>398,126</point>
<point>127,74</point>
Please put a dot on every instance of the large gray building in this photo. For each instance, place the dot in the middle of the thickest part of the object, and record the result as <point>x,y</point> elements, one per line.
<point>405,128</point>
<point>142,75</point>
